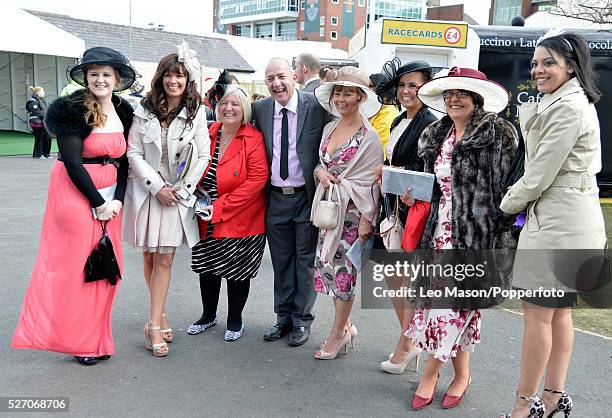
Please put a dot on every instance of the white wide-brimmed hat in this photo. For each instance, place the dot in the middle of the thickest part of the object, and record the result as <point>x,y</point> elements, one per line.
<point>351,77</point>
<point>494,94</point>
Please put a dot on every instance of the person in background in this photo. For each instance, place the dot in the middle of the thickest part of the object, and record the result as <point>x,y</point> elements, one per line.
<point>292,123</point>
<point>135,95</point>
<point>398,87</point>
<point>464,211</point>
<point>36,106</point>
<point>232,242</point>
<point>159,212</point>
<point>326,74</point>
<point>386,115</point>
<point>349,153</point>
<point>562,157</point>
<point>61,312</point>
<point>307,67</point>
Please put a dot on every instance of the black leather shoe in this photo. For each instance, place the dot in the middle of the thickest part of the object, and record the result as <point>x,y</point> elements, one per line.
<point>104,357</point>
<point>87,361</point>
<point>299,336</point>
<point>277,332</point>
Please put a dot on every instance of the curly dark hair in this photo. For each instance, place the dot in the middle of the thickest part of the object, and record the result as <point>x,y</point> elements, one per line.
<point>156,101</point>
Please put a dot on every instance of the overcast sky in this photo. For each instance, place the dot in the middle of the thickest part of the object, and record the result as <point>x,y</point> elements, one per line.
<point>186,16</point>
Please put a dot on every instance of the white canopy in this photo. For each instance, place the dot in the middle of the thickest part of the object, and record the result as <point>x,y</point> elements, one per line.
<point>23,32</point>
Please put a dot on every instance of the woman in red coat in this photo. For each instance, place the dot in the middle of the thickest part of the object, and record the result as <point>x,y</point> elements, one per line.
<point>232,236</point>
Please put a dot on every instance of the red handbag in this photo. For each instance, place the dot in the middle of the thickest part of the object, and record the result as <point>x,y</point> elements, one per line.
<point>415,224</point>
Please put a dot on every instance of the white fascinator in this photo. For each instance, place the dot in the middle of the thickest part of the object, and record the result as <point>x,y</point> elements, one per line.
<point>188,57</point>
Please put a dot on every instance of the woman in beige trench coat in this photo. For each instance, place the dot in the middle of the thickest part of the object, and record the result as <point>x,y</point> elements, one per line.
<point>559,193</point>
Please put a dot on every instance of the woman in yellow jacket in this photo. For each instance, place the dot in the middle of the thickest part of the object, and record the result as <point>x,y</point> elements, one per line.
<point>381,122</point>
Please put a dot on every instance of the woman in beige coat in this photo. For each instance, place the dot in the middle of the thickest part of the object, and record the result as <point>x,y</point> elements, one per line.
<point>159,214</point>
<point>562,156</point>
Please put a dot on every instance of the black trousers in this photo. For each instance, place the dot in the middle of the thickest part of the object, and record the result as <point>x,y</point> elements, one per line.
<point>237,294</point>
<point>42,143</point>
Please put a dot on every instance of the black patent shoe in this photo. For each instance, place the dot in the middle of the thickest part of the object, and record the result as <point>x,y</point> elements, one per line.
<point>87,361</point>
<point>277,332</point>
<point>564,404</point>
<point>299,336</point>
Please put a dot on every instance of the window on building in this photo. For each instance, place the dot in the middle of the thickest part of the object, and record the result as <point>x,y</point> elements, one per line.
<point>335,1</point>
<point>302,5</point>
<point>322,21</point>
<point>302,25</point>
<point>505,11</point>
<point>333,34</point>
<point>361,3</point>
<point>231,9</point>
<point>293,5</point>
<point>287,30</point>
<point>263,30</point>
<point>334,20</point>
<point>322,32</point>
<point>401,9</point>
<point>242,30</point>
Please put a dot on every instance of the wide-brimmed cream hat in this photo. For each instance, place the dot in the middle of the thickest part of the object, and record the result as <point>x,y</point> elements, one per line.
<point>351,77</point>
<point>495,95</point>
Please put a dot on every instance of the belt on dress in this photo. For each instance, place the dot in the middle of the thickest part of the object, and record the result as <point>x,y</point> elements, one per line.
<point>575,182</point>
<point>93,160</point>
<point>288,189</point>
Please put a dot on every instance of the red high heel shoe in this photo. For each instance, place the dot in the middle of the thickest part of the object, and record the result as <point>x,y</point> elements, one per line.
<point>449,401</point>
<point>419,402</point>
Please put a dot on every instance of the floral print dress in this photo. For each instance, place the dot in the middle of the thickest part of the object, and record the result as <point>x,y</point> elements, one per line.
<point>443,332</point>
<point>339,276</point>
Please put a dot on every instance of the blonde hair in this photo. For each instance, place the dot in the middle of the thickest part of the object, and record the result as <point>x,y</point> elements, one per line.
<point>95,116</point>
<point>36,89</point>
<point>243,98</point>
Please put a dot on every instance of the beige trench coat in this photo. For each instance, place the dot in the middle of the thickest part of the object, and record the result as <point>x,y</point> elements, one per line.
<point>558,190</point>
<point>144,154</point>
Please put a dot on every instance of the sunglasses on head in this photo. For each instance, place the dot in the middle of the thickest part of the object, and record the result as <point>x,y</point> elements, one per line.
<point>461,94</point>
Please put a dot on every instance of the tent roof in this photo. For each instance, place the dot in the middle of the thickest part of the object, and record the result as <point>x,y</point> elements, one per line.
<point>22,32</point>
<point>148,45</point>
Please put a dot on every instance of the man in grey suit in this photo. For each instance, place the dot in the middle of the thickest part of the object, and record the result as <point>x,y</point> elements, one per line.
<point>292,124</point>
<point>307,67</point>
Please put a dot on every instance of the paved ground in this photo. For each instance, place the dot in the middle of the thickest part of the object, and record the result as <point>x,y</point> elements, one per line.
<point>204,376</point>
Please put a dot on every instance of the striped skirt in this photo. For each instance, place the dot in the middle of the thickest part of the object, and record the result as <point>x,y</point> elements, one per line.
<point>230,258</point>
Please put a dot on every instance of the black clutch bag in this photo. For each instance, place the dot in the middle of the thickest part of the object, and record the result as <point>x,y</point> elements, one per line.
<point>102,263</point>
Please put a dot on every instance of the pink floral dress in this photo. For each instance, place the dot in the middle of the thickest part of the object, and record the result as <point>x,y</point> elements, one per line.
<point>339,276</point>
<point>443,332</point>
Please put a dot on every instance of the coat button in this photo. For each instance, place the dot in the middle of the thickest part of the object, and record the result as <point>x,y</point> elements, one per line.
<point>235,174</point>
<point>189,186</point>
<point>178,154</point>
<point>181,138</point>
<point>148,182</point>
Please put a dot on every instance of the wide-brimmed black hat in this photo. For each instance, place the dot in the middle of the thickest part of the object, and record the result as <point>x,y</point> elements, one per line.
<point>392,71</point>
<point>103,56</point>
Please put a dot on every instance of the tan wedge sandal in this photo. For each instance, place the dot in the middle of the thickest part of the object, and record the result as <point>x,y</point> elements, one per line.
<point>159,349</point>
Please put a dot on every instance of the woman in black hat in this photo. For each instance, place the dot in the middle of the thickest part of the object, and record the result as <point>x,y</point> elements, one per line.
<point>61,312</point>
<point>398,86</point>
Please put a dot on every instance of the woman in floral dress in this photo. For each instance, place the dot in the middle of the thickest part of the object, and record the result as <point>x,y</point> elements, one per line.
<point>350,151</point>
<point>470,151</point>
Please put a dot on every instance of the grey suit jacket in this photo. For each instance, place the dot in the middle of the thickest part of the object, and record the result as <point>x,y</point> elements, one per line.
<point>309,87</point>
<point>311,120</point>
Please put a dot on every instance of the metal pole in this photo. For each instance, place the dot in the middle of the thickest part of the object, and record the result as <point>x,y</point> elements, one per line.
<point>130,55</point>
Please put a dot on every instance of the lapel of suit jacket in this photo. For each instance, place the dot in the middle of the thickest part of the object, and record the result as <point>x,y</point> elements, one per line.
<point>301,115</point>
<point>268,127</point>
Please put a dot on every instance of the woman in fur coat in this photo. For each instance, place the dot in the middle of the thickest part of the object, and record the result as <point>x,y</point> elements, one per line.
<point>62,312</point>
<point>470,151</point>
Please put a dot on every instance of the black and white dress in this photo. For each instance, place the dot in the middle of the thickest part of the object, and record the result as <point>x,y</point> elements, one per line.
<point>229,258</point>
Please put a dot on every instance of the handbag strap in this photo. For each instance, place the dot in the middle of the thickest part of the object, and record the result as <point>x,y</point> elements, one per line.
<point>396,211</point>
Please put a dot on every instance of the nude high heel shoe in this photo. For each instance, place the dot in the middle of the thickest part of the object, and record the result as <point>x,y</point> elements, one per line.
<point>399,368</point>
<point>324,355</point>
<point>167,334</point>
<point>159,349</point>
